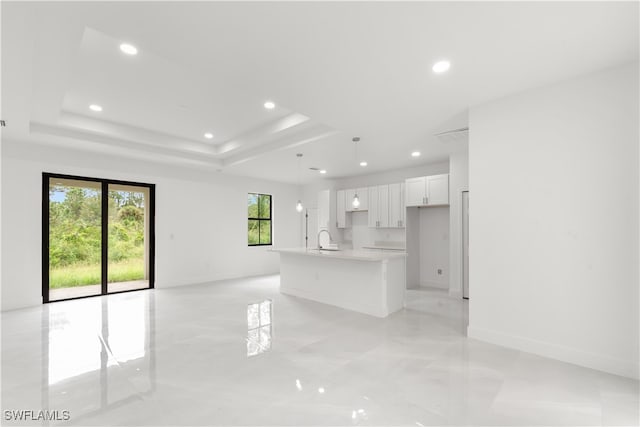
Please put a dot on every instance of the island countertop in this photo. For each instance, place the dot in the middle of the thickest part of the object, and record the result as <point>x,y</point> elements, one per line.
<point>348,254</point>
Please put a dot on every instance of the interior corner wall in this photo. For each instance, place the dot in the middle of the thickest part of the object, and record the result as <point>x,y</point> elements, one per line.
<point>458,182</point>
<point>554,218</point>
<point>201,218</point>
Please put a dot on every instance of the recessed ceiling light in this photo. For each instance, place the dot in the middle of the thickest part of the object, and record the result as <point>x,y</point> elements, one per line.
<point>323,171</point>
<point>129,49</point>
<point>208,135</point>
<point>95,107</point>
<point>269,105</point>
<point>441,66</point>
<point>363,164</point>
<point>415,154</point>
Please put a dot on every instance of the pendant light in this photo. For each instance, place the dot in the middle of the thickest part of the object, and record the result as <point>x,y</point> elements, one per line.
<point>356,200</point>
<point>299,204</point>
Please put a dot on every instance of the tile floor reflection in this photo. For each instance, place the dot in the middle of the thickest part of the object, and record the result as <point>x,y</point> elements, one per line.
<point>180,357</point>
<point>259,327</point>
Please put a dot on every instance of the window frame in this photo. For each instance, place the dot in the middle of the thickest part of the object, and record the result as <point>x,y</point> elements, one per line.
<point>270,219</point>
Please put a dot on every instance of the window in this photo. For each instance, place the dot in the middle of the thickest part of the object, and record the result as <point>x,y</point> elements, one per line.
<point>259,213</point>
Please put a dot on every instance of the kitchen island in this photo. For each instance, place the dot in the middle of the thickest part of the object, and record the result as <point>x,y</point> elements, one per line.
<point>368,282</point>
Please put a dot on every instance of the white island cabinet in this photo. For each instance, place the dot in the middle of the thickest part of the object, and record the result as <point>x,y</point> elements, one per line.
<point>372,283</point>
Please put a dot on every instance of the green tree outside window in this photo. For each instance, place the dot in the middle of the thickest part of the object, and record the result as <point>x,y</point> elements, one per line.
<point>259,219</point>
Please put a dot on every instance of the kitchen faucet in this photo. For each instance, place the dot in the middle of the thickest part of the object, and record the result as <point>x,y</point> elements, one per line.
<point>320,232</point>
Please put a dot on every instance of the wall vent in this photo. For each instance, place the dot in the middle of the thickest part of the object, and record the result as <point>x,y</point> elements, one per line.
<point>453,135</point>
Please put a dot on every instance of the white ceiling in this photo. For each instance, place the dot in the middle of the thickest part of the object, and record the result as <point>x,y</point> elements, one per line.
<point>334,70</point>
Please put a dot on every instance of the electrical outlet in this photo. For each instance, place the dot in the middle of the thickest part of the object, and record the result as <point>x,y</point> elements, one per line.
<point>439,271</point>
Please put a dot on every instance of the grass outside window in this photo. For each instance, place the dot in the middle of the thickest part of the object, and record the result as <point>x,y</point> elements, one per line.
<point>259,231</point>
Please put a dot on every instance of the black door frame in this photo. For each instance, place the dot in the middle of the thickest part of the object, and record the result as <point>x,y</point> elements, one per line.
<point>105,232</point>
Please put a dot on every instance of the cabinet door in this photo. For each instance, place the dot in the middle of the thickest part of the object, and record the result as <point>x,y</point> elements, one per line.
<point>341,215</point>
<point>395,196</point>
<point>438,189</point>
<point>373,207</point>
<point>323,209</point>
<point>415,191</point>
<point>363,195</point>
<point>403,206</point>
<point>383,206</point>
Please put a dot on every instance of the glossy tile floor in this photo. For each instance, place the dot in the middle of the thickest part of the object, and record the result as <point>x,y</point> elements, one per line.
<point>200,355</point>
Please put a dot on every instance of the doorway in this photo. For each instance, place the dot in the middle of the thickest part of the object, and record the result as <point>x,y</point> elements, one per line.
<point>97,236</point>
<point>465,244</point>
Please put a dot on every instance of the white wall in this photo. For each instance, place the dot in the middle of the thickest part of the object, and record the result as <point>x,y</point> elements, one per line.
<point>200,219</point>
<point>554,221</point>
<point>458,182</point>
<point>434,246</point>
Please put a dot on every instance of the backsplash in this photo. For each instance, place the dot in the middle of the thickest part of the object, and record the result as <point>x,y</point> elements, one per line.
<point>360,234</point>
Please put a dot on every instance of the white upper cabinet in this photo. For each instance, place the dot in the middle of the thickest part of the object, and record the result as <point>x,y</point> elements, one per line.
<point>373,207</point>
<point>324,203</point>
<point>383,206</point>
<point>438,189</point>
<point>416,191</point>
<point>363,196</point>
<point>341,213</point>
<point>396,205</point>
<point>427,190</point>
<point>379,206</point>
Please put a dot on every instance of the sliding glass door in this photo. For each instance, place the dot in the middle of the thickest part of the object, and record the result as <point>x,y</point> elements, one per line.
<point>97,236</point>
<point>128,248</point>
<point>75,238</point>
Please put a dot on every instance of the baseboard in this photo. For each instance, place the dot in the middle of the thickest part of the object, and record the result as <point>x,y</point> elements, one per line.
<point>566,354</point>
<point>438,285</point>
<point>209,279</point>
